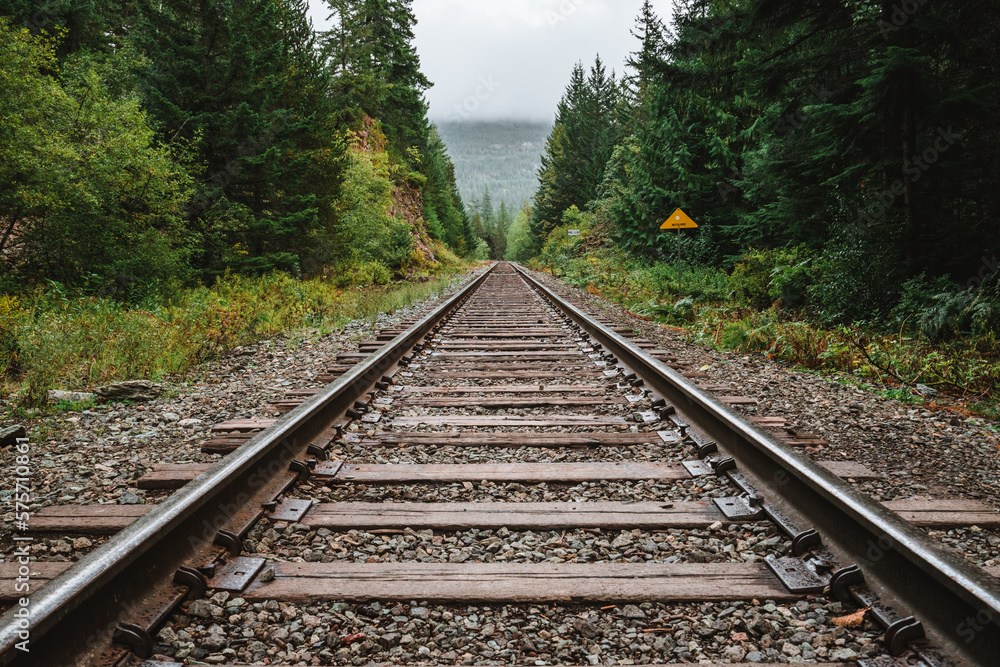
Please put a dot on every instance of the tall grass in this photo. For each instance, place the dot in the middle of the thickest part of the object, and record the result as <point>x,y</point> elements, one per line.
<point>54,339</point>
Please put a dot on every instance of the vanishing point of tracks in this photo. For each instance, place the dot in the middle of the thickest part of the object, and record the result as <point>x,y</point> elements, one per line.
<point>508,469</point>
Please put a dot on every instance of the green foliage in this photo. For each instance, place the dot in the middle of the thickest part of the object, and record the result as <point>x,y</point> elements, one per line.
<point>939,310</point>
<point>482,252</point>
<point>764,277</point>
<point>520,242</point>
<point>578,149</point>
<point>365,232</point>
<point>778,128</point>
<point>855,280</point>
<point>63,340</point>
<point>91,193</point>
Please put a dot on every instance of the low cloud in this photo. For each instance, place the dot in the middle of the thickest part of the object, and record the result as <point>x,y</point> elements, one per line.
<point>527,47</point>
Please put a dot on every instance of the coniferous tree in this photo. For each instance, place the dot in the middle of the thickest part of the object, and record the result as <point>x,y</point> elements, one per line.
<point>377,66</point>
<point>240,86</point>
<point>586,131</point>
<point>644,63</point>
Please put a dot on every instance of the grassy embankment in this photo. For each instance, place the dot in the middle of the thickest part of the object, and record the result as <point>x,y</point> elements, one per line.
<point>717,311</point>
<point>52,339</point>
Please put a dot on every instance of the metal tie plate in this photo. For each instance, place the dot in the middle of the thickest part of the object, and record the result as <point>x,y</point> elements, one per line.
<point>738,508</point>
<point>327,468</point>
<point>796,575</point>
<point>646,417</point>
<point>670,437</point>
<point>290,509</point>
<point>698,468</point>
<point>234,575</point>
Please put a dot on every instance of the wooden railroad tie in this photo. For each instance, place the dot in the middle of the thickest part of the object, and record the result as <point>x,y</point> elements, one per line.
<point>606,515</point>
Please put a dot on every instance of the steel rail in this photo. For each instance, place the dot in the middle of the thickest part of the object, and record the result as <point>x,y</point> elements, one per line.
<point>77,611</point>
<point>958,603</point>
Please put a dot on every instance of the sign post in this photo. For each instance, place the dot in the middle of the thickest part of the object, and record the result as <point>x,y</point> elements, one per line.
<point>678,220</point>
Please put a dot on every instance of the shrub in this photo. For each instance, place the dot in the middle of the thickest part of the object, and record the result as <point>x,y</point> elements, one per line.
<point>856,280</point>
<point>765,277</point>
<point>365,231</point>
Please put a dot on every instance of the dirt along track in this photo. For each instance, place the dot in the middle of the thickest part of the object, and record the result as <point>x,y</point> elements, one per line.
<point>514,492</point>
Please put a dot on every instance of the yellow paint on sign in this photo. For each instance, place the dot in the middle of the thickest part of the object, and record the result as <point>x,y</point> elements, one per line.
<point>678,220</point>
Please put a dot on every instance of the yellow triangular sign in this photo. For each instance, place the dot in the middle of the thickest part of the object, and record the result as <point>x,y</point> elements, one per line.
<point>678,220</point>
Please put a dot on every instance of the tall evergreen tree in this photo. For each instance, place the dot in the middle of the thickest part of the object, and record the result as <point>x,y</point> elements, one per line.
<point>371,48</point>
<point>644,63</point>
<point>586,131</point>
<point>238,82</point>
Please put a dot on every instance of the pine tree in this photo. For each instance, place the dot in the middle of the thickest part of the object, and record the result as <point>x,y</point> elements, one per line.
<point>377,67</point>
<point>586,131</point>
<point>644,63</point>
<point>240,84</point>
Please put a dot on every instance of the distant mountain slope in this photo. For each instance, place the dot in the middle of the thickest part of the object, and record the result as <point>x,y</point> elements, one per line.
<point>504,155</point>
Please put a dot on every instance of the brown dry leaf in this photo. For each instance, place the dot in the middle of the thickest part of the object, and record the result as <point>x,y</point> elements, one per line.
<point>851,620</point>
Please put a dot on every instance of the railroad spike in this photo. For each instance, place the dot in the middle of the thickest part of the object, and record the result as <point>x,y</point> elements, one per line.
<point>195,581</point>
<point>899,635</point>
<point>805,541</point>
<point>229,541</point>
<point>843,579</point>
<point>136,638</point>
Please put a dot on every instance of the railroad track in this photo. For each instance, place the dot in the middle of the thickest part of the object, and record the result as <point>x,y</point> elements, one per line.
<point>509,455</point>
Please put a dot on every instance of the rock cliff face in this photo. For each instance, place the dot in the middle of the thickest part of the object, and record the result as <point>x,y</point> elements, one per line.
<point>409,207</point>
<point>409,200</point>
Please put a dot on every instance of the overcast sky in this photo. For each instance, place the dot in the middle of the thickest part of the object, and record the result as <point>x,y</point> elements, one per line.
<point>491,59</point>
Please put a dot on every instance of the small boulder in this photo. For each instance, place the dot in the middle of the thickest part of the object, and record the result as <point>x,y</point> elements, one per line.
<point>132,390</point>
<point>10,434</point>
<point>55,395</point>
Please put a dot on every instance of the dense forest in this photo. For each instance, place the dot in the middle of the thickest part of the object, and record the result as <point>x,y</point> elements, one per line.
<point>147,145</point>
<point>845,155</point>
<point>500,155</point>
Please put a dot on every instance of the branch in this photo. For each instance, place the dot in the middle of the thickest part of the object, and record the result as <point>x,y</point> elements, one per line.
<point>6,234</point>
<point>872,362</point>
